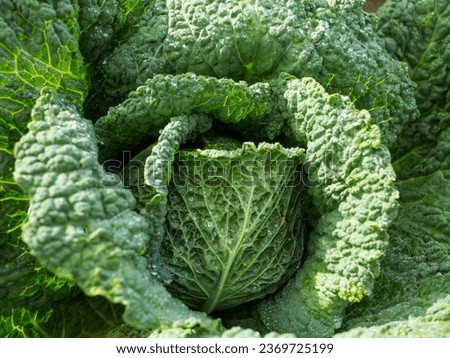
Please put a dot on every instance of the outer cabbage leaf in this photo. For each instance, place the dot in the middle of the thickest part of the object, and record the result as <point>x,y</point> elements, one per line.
<point>103,26</point>
<point>38,47</point>
<point>106,23</point>
<point>234,230</point>
<point>79,226</point>
<point>192,328</point>
<point>73,316</point>
<point>147,110</point>
<point>332,41</point>
<point>351,182</point>
<point>411,297</point>
<point>153,180</point>
<point>151,25</point>
<point>418,32</point>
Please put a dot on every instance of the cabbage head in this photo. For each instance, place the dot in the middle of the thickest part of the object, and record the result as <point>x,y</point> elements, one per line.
<point>233,229</point>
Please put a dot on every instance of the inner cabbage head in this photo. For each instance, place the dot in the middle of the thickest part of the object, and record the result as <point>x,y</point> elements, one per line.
<point>234,229</point>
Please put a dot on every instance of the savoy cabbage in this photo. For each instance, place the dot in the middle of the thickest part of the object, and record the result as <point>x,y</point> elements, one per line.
<point>204,168</point>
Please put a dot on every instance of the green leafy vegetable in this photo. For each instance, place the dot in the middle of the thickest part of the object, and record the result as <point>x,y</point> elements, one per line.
<point>71,316</point>
<point>151,106</point>
<point>417,32</point>
<point>157,174</point>
<point>331,41</point>
<point>103,24</point>
<point>80,226</point>
<point>412,296</point>
<point>351,182</point>
<point>266,202</point>
<point>38,47</point>
<point>234,230</point>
